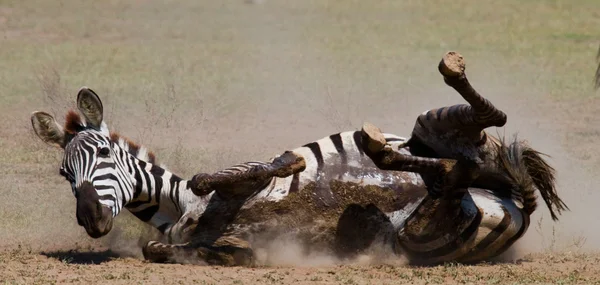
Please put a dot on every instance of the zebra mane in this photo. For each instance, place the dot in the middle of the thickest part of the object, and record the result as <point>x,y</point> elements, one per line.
<point>139,151</point>
<point>74,124</point>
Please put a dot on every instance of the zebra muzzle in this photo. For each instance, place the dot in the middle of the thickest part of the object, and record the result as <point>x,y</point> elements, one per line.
<point>92,215</point>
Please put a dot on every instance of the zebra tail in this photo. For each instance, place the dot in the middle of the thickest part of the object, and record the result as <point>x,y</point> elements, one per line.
<point>529,172</point>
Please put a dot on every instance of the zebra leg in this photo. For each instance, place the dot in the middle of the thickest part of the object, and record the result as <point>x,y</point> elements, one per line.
<point>359,228</point>
<point>448,172</point>
<point>439,227</point>
<point>386,158</point>
<point>481,111</point>
<point>223,252</point>
<point>437,230</point>
<point>456,131</point>
<point>244,179</point>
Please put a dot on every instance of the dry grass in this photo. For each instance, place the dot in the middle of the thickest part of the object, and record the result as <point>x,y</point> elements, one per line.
<point>206,84</point>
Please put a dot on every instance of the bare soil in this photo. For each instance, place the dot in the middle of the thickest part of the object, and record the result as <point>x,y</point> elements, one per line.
<point>20,267</point>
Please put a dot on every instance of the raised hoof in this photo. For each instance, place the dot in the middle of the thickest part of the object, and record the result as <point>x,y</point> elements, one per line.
<point>288,164</point>
<point>201,184</point>
<point>452,65</point>
<point>373,139</point>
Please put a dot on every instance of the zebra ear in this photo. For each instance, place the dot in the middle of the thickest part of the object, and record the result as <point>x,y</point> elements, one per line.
<point>90,106</point>
<point>47,129</point>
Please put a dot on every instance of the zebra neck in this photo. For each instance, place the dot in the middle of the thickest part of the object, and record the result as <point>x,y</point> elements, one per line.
<point>160,196</point>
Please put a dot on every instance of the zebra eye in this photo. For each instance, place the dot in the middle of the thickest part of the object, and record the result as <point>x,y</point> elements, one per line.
<point>104,151</point>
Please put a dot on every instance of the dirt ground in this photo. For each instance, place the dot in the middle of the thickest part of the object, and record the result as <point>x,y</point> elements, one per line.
<point>206,84</point>
<point>61,268</point>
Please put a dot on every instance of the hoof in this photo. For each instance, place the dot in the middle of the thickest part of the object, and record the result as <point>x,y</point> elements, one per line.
<point>200,184</point>
<point>373,139</point>
<point>452,65</point>
<point>290,164</point>
<point>157,252</point>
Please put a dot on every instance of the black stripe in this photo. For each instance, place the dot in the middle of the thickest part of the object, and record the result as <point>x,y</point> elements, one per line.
<point>122,173</point>
<point>85,166</point>
<point>158,186</point>
<point>496,232</point>
<point>428,115</point>
<point>110,176</point>
<point>107,197</point>
<point>452,112</point>
<point>420,123</point>
<point>509,242</point>
<point>452,245</point>
<point>146,214</point>
<point>103,165</point>
<point>338,143</point>
<point>316,150</point>
<point>103,187</point>
<point>138,178</point>
<point>175,184</point>
<point>172,191</point>
<point>156,170</point>
<point>295,183</point>
<point>393,140</point>
<point>123,199</point>
<point>339,147</point>
<point>142,167</point>
<point>107,176</point>
<point>439,113</point>
<point>163,227</point>
<point>358,142</point>
<point>177,203</point>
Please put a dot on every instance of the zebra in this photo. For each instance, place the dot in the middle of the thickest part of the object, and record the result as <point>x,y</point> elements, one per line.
<point>334,192</point>
<point>108,172</point>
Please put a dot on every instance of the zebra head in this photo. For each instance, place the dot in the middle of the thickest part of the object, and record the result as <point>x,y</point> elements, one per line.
<point>87,163</point>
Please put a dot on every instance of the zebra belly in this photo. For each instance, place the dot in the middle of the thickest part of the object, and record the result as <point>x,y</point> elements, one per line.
<point>326,163</point>
<point>501,223</point>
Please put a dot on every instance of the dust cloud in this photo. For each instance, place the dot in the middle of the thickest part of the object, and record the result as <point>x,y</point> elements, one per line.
<point>552,127</point>
<point>289,250</point>
<point>286,251</point>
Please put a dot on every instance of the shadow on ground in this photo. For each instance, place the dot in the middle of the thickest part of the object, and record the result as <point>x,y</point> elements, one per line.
<point>82,257</point>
